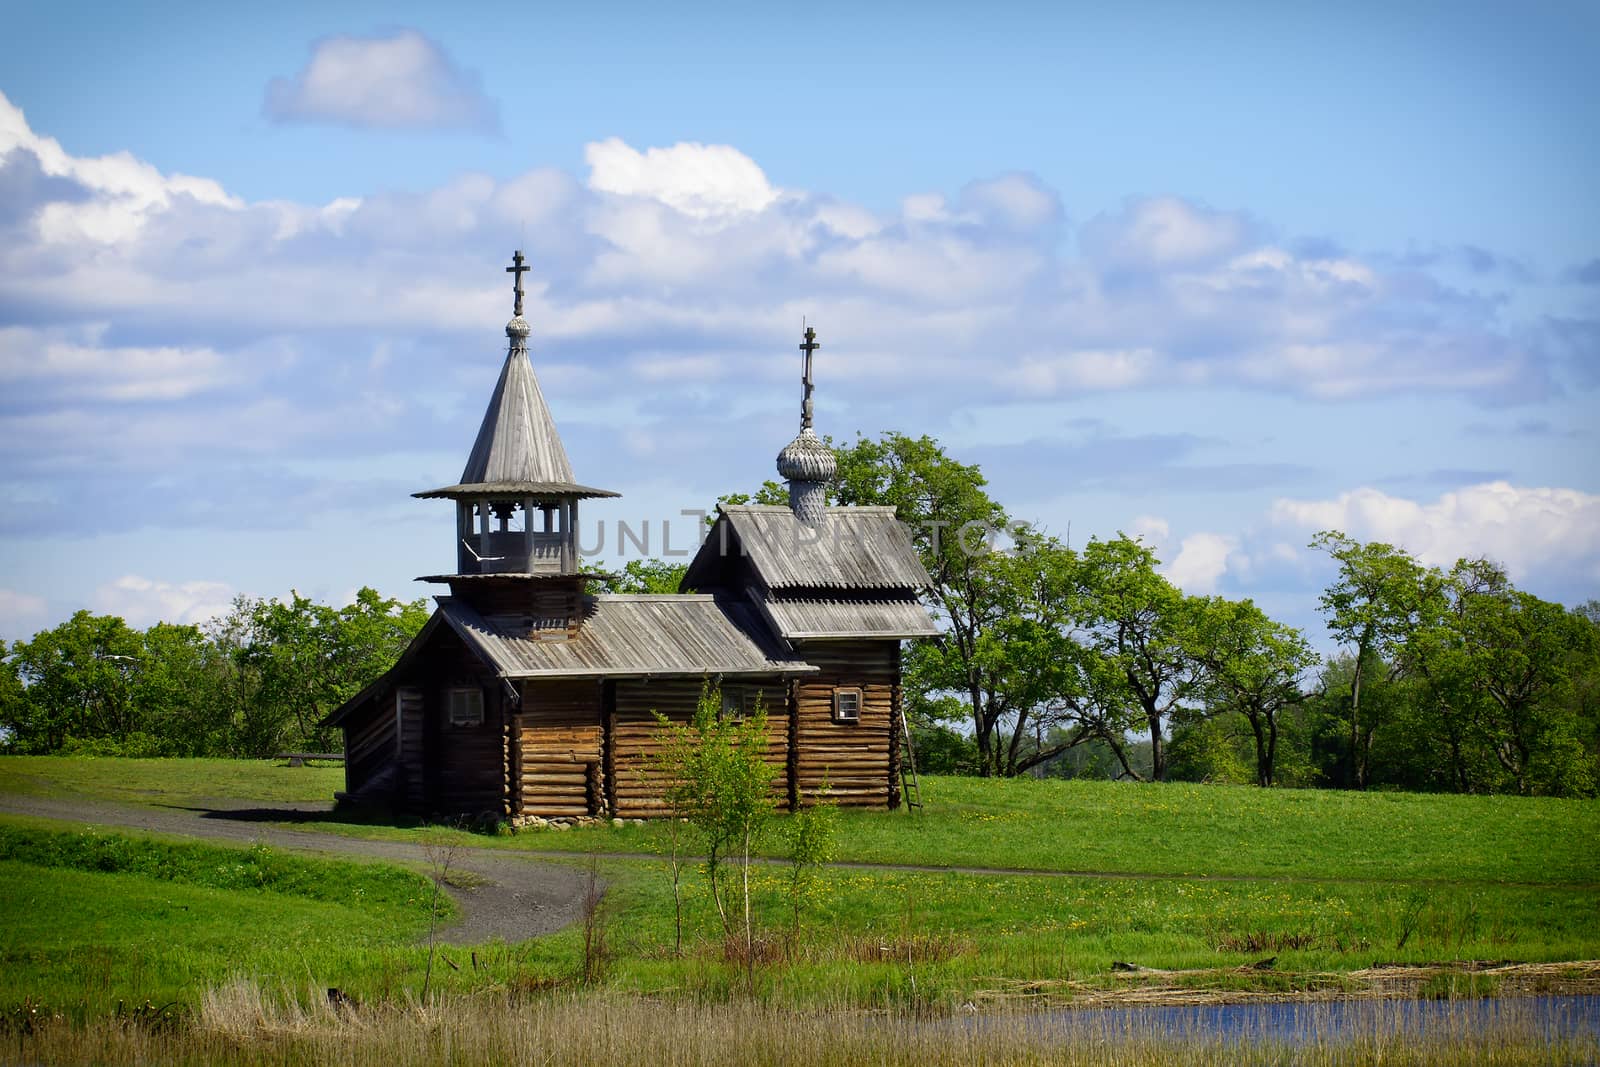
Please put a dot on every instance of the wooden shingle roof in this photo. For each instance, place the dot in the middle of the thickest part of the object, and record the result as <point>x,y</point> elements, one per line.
<point>810,618</point>
<point>851,548</point>
<point>626,636</point>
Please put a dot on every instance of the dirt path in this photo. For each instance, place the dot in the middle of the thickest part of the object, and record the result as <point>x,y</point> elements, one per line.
<point>520,896</point>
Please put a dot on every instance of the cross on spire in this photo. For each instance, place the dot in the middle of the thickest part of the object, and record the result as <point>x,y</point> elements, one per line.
<point>518,268</point>
<point>808,346</point>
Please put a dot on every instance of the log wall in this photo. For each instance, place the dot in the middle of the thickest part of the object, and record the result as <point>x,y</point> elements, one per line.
<point>853,759</point>
<point>463,766</point>
<point>636,738</point>
<point>368,746</point>
<point>559,755</point>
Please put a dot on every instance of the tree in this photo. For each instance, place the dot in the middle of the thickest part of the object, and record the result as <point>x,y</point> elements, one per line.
<point>77,684</point>
<point>949,517</point>
<point>718,778</point>
<point>1373,606</point>
<point>178,685</point>
<point>649,576</point>
<point>1252,666</point>
<point>296,661</point>
<point>1138,625</point>
<point>13,699</point>
<point>1499,666</point>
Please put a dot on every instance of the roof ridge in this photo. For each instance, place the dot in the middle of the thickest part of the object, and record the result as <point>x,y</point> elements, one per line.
<point>655,597</point>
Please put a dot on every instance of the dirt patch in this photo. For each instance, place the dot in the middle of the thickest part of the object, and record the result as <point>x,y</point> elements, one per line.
<point>507,895</point>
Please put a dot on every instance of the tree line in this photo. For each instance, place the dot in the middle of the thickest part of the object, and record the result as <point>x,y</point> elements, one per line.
<point>1065,660</point>
<point>256,681</point>
<point>1052,659</point>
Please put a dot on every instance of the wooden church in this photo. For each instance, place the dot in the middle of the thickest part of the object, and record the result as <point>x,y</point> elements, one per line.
<point>531,690</point>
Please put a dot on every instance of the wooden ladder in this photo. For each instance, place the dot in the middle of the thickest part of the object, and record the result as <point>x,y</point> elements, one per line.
<point>910,788</point>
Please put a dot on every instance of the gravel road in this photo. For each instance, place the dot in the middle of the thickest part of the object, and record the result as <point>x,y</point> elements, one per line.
<point>519,896</point>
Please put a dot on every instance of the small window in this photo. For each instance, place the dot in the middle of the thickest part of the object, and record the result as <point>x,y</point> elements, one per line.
<point>466,707</point>
<point>734,702</point>
<point>847,705</point>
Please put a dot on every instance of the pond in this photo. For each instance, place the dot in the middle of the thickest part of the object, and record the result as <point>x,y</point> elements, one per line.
<point>1536,1017</point>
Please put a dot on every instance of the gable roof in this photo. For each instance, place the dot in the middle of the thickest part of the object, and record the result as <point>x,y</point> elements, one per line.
<point>852,548</point>
<point>518,451</point>
<point>626,636</point>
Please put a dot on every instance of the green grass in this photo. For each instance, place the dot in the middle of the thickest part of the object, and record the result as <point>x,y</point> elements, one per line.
<point>1208,830</point>
<point>1020,824</point>
<point>1213,879</point>
<point>93,918</point>
<point>169,781</point>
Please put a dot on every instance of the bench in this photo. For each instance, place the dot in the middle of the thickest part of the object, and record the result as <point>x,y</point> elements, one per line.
<point>298,759</point>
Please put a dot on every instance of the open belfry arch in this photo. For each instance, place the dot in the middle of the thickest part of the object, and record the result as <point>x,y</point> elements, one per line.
<point>532,692</point>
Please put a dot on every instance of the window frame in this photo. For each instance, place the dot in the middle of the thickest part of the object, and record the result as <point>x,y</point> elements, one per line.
<point>450,707</point>
<point>852,718</point>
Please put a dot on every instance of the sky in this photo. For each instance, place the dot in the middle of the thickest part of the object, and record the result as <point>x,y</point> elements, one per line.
<point>1220,276</point>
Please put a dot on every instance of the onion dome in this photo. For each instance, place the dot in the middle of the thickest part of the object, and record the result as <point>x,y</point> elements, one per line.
<point>807,459</point>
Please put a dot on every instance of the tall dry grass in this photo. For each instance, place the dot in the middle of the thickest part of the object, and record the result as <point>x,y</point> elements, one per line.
<point>242,1024</point>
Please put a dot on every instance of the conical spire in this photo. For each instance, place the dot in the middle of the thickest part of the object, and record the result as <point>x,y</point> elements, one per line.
<point>518,450</point>
<point>806,463</point>
<point>518,441</point>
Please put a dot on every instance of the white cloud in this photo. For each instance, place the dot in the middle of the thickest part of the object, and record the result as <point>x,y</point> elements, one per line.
<point>1529,530</point>
<point>80,369</point>
<point>399,80</point>
<point>1084,370</point>
<point>21,614</point>
<point>700,180</point>
<point>1163,231</point>
<point>145,601</point>
<point>123,191</point>
<point>1013,201</point>
<point>214,336</point>
<point>1201,562</point>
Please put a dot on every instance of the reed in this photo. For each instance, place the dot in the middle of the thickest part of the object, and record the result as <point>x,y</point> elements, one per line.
<point>242,1023</point>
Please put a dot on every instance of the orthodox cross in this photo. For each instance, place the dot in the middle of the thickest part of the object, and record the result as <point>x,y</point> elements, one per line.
<point>808,346</point>
<point>518,267</point>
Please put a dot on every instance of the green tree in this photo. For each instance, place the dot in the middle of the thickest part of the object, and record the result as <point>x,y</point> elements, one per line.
<point>77,685</point>
<point>292,662</point>
<point>13,699</point>
<point>719,779</point>
<point>810,833</point>
<point>1138,626</point>
<point>649,576</point>
<point>1499,666</point>
<point>1251,665</point>
<point>179,686</point>
<point>949,516</point>
<point>1373,606</point>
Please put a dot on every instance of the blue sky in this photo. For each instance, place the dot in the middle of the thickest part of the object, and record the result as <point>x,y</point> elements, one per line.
<point>1218,274</point>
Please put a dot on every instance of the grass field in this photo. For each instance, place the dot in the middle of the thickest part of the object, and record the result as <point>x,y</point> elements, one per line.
<point>1022,824</point>
<point>94,918</point>
<point>1211,880</point>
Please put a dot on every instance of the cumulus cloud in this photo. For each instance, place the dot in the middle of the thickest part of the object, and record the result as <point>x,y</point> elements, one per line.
<point>1201,561</point>
<point>59,366</point>
<point>1528,529</point>
<point>99,199</point>
<point>700,180</point>
<point>146,601</point>
<point>1163,231</point>
<point>235,339</point>
<point>397,81</point>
